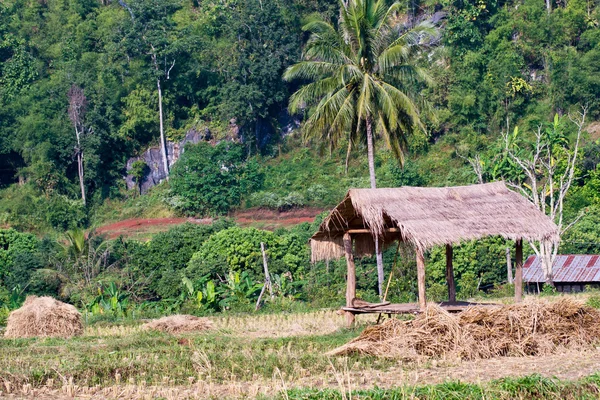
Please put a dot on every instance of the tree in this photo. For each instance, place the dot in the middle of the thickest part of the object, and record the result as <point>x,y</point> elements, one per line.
<point>365,81</point>
<point>153,33</point>
<point>77,110</point>
<point>543,171</point>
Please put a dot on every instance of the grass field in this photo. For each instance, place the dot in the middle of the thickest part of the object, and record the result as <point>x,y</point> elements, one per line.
<point>271,356</point>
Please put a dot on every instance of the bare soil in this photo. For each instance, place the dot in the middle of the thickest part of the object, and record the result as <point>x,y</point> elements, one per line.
<point>145,228</point>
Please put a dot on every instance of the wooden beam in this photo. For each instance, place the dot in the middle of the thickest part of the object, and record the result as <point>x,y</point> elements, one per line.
<point>421,279</point>
<point>519,271</point>
<point>351,277</point>
<point>389,230</point>
<point>450,274</point>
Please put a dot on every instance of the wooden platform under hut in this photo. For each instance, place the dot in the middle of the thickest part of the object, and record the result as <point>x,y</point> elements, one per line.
<point>424,218</point>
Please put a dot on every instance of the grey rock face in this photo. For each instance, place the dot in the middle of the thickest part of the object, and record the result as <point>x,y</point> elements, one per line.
<point>153,159</point>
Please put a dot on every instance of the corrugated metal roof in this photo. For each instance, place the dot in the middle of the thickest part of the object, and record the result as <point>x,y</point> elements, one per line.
<point>566,268</point>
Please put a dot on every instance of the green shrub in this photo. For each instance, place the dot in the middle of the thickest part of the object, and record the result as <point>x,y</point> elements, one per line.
<point>210,180</point>
<point>238,249</point>
<point>16,247</point>
<point>64,214</point>
<point>468,286</point>
<point>157,263</point>
<point>45,282</point>
<point>437,292</point>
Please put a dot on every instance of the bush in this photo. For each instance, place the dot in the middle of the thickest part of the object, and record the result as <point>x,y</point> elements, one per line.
<point>468,286</point>
<point>273,201</point>
<point>15,246</point>
<point>64,214</point>
<point>45,282</point>
<point>210,180</point>
<point>238,249</point>
<point>158,262</point>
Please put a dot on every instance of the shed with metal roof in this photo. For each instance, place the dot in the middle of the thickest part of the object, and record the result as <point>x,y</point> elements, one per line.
<point>572,272</point>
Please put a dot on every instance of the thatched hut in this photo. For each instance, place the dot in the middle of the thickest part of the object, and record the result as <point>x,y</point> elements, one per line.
<point>428,217</point>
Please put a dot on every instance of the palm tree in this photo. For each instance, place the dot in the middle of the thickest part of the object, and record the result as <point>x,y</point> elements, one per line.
<point>365,81</point>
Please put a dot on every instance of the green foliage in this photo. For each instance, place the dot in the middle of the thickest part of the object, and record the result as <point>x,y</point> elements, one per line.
<point>238,250</point>
<point>209,180</point>
<point>584,236</point>
<point>364,78</point>
<point>109,300</point>
<point>480,260</point>
<point>593,301</point>
<point>157,265</point>
<point>139,170</point>
<point>16,259</point>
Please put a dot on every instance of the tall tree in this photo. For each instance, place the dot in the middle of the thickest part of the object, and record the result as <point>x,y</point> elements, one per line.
<point>153,33</point>
<point>77,109</point>
<point>366,81</point>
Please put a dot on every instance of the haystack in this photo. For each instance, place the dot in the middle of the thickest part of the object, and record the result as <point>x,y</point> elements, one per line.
<point>525,329</point>
<point>44,317</point>
<point>179,324</point>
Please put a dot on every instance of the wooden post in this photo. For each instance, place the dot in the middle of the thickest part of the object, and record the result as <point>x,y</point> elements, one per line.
<point>351,277</point>
<point>450,274</point>
<point>519,271</point>
<point>421,279</point>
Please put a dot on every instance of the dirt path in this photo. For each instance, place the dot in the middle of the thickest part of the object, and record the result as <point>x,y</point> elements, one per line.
<point>145,228</point>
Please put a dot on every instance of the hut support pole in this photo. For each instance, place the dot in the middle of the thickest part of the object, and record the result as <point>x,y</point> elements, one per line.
<point>519,271</point>
<point>450,274</point>
<point>351,277</point>
<point>421,279</point>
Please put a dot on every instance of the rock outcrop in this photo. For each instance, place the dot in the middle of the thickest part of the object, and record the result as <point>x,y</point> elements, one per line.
<point>153,159</point>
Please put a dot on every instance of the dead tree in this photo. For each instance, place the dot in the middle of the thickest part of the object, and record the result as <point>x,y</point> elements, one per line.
<point>166,73</point>
<point>77,110</point>
<point>547,182</point>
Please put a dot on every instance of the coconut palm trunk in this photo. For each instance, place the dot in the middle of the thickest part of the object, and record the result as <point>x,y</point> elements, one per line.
<point>371,158</point>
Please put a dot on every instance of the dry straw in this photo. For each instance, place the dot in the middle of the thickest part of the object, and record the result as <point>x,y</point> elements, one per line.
<point>44,317</point>
<point>526,329</point>
<point>430,217</point>
<point>179,324</point>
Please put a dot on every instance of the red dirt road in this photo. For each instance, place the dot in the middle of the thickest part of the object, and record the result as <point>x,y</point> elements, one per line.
<point>136,226</point>
<point>144,228</point>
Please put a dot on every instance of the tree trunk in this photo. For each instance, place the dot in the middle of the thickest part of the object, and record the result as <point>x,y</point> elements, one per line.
<point>80,164</point>
<point>80,171</point>
<point>163,142</point>
<point>549,6</point>
<point>546,251</point>
<point>350,277</point>
<point>371,153</point>
<point>509,273</point>
<point>378,248</point>
<point>519,270</point>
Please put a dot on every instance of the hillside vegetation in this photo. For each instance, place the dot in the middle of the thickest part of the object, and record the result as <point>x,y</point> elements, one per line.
<point>86,85</point>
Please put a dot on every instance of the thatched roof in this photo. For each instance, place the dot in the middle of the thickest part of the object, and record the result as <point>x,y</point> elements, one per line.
<point>429,217</point>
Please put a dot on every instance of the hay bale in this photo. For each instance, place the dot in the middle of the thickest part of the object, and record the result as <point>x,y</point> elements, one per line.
<point>526,329</point>
<point>44,317</point>
<point>179,324</point>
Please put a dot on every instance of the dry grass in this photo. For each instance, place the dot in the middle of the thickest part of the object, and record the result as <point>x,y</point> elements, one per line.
<point>528,329</point>
<point>44,317</point>
<point>242,357</point>
<point>179,324</point>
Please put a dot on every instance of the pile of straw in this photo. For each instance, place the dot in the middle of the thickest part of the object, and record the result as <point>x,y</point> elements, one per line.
<point>533,328</point>
<point>179,324</point>
<point>44,317</point>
